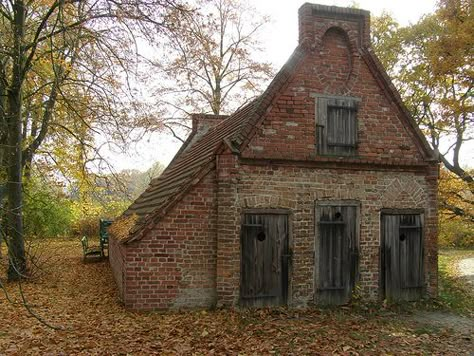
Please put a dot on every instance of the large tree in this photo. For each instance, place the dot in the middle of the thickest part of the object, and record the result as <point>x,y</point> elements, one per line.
<point>62,68</point>
<point>211,62</point>
<point>431,63</point>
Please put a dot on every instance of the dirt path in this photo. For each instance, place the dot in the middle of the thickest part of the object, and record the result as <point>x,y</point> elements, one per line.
<point>445,320</point>
<point>466,269</point>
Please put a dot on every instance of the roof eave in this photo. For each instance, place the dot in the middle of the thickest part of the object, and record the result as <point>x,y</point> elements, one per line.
<point>152,219</point>
<point>381,75</point>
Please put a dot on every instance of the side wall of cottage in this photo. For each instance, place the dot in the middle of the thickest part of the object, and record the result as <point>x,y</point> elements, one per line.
<point>174,265</point>
<point>297,189</point>
<point>117,262</point>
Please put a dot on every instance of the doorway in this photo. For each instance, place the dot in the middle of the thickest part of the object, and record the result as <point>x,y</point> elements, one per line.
<point>402,257</point>
<point>264,259</point>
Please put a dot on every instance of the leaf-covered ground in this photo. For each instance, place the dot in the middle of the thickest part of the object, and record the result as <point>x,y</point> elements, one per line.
<point>81,298</point>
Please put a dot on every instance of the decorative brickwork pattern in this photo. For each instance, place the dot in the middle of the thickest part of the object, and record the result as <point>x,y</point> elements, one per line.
<point>333,69</point>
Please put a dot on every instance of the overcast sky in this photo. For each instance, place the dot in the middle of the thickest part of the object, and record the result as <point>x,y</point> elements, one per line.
<point>281,35</point>
<point>280,38</point>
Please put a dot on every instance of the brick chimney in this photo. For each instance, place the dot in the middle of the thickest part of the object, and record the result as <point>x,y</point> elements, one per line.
<point>314,20</point>
<point>203,122</point>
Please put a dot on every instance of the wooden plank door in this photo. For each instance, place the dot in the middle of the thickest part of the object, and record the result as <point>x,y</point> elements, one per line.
<point>338,253</point>
<point>402,261</point>
<point>264,260</point>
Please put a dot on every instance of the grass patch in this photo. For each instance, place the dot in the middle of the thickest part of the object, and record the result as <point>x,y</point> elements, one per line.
<point>425,330</point>
<point>453,291</point>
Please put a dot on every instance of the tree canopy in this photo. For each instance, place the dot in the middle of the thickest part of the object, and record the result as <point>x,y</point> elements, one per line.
<point>66,70</point>
<point>211,61</point>
<point>431,64</point>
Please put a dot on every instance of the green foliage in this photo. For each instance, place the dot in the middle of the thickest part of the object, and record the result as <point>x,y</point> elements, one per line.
<point>47,212</point>
<point>86,215</point>
<point>386,40</point>
<point>456,227</point>
<point>50,212</point>
<point>108,198</point>
<point>430,63</point>
<point>455,233</point>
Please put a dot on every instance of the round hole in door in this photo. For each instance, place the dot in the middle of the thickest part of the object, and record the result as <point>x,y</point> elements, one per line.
<point>261,236</point>
<point>338,215</point>
<point>402,237</point>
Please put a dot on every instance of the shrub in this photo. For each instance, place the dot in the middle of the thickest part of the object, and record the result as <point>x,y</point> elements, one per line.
<point>86,215</point>
<point>455,233</point>
<point>46,211</point>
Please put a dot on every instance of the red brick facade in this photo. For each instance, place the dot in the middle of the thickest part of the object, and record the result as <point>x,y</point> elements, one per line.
<point>174,265</point>
<point>191,256</point>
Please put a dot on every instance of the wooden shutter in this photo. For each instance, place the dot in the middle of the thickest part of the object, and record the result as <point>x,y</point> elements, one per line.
<point>338,253</point>
<point>337,126</point>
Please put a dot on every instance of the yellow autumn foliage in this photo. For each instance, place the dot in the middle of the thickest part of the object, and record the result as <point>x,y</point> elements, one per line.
<point>121,228</point>
<point>455,230</point>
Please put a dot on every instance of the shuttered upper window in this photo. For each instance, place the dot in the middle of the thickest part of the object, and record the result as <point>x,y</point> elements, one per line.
<point>336,123</point>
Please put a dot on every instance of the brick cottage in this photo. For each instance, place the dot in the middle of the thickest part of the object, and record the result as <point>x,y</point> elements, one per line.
<point>321,188</point>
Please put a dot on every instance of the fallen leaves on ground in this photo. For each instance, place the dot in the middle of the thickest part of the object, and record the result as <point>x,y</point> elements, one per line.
<point>82,299</point>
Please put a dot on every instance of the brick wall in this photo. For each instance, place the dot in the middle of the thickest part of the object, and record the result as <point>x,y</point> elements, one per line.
<point>280,167</point>
<point>191,258</point>
<point>334,66</point>
<point>228,229</point>
<point>297,189</point>
<point>174,265</point>
<point>117,262</point>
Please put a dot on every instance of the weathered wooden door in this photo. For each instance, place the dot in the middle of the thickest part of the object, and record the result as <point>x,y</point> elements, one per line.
<point>264,260</point>
<point>337,248</point>
<point>402,257</point>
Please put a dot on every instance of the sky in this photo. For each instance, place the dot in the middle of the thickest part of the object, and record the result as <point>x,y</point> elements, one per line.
<point>280,38</point>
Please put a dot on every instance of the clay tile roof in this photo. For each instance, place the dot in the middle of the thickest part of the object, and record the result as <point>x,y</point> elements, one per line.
<point>197,157</point>
<point>183,172</point>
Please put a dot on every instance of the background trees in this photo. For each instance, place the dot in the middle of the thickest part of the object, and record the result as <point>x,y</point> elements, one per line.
<point>211,59</point>
<point>70,76</point>
<point>431,64</point>
<point>63,65</point>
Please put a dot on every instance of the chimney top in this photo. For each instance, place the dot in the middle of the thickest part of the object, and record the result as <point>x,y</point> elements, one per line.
<point>313,17</point>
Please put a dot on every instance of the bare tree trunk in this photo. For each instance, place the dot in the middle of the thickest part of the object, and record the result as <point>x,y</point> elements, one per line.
<point>3,146</point>
<point>29,152</point>
<point>3,119</point>
<point>16,244</point>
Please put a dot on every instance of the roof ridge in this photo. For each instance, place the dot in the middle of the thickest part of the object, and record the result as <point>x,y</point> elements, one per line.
<point>369,54</point>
